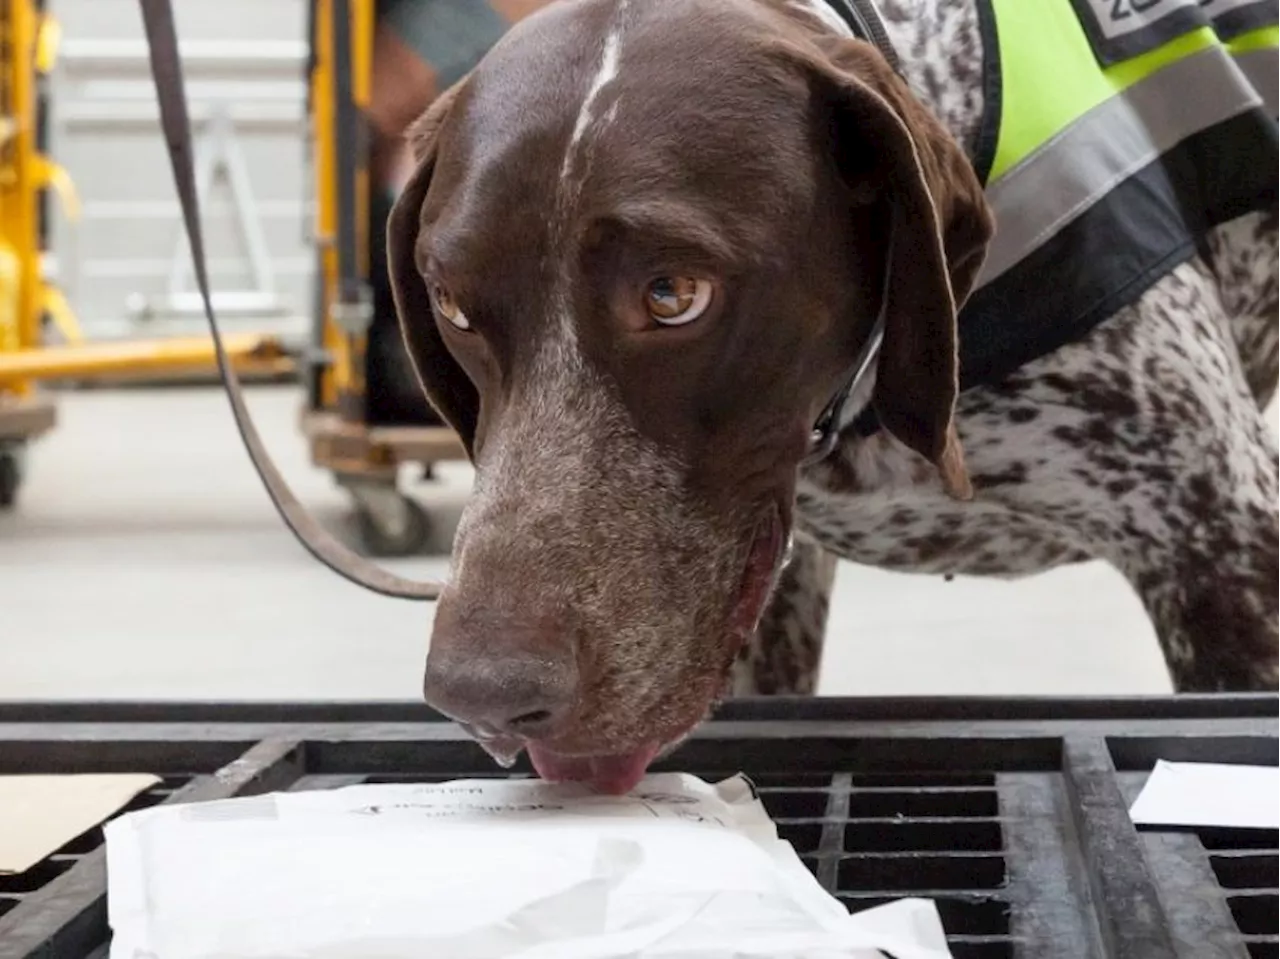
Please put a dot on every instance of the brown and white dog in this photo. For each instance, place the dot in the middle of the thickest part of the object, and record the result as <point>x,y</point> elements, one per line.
<point>643,245</point>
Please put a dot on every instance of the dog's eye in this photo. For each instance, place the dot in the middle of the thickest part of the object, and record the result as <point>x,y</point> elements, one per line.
<point>448,307</point>
<point>675,300</point>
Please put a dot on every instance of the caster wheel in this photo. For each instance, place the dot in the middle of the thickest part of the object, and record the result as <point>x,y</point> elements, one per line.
<point>10,478</point>
<point>393,530</point>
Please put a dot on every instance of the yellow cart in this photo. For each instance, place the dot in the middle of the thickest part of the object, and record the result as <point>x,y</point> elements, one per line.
<point>31,306</point>
<point>28,41</point>
<point>364,456</point>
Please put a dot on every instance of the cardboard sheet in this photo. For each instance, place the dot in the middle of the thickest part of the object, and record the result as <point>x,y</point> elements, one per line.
<point>40,814</point>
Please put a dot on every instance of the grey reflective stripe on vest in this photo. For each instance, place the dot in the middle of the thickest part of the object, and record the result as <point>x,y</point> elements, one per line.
<point>1262,67</point>
<point>1114,140</point>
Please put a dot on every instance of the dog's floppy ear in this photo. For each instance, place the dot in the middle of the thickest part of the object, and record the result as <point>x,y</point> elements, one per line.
<point>941,227</point>
<point>447,386</point>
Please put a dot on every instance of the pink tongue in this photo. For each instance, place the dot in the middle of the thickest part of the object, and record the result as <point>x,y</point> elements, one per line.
<point>614,775</point>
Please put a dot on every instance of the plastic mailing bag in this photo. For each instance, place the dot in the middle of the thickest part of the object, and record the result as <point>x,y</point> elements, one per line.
<point>482,869</point>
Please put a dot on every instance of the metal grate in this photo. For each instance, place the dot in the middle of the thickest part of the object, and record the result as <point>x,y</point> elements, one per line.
<point>936,836</point>
<point>1233,871</point>
<point>1010,815</point>
<point>1245,863</point>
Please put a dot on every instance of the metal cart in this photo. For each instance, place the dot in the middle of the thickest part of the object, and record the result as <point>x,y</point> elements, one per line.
<point>1010,813</point>
<point>28,46</point>
<point>341,428</point>
<point>40,339</point>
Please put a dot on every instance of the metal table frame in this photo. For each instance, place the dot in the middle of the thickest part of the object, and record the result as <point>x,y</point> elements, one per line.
<point>1072,876</point>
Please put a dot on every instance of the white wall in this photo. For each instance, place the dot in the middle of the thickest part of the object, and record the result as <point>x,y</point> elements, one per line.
<point>245,57</point>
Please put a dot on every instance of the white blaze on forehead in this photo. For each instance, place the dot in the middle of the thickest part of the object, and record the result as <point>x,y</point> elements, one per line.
<point>572,171</point>
<point>605,73</point>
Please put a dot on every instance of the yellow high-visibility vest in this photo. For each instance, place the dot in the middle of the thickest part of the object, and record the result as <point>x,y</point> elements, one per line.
<point>1116,134</point>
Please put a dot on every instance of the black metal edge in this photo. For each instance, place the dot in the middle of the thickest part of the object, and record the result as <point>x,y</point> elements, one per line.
<point>1047,885</point>
<point>1125,898</point>
<point>1181,865</point>
<point>428,749</point>
<point>841,708</point>
<point>831,841</point>
<point>435,747</point>
<point>159,755</point>
<point>1134,752</point>
<point>709,754</point>
<point>1096,809</point>
<point>67,918</point>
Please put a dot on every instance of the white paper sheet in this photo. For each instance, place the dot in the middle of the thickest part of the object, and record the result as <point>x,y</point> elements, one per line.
<point>1209,794</point>
<point>481,869</point>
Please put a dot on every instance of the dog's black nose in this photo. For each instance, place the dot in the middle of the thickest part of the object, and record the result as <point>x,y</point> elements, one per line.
<point>500,678</point>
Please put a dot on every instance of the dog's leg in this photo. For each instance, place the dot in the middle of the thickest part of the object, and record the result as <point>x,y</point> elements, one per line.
<point>1213,598</point>
<point>1243,256</point>
<point>1215,608</point>
<point>785,654</point>
<point>1147,448</point>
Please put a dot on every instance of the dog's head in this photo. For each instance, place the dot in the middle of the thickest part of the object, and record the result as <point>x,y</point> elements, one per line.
<point>642,248</point>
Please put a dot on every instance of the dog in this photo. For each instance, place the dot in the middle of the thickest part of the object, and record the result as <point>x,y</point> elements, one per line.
<point>642,249</point>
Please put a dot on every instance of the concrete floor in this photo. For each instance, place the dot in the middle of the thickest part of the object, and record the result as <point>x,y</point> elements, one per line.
<point>144,560</point>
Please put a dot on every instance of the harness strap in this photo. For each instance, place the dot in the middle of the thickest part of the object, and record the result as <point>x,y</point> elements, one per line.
<point>166,70</point>
<point>838,416</point>
<point>864,20</point>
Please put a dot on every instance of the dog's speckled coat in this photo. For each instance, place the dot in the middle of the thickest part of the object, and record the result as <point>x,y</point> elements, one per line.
<point>1143,445</point>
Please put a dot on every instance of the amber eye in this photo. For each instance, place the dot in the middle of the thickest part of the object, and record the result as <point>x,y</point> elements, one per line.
<point>675,300</point>
<point>448,307</point>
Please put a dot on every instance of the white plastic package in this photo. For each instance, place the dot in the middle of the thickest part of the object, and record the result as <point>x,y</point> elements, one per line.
<point>481,869</point>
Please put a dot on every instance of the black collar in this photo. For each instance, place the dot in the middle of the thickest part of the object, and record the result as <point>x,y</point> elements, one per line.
<point>864,21</point>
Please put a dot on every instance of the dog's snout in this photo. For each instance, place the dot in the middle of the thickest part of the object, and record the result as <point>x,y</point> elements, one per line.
<point>510,682</point>
<point>512,695</point>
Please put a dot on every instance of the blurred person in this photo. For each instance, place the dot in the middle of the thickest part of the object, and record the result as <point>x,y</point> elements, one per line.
<point>420,49</point>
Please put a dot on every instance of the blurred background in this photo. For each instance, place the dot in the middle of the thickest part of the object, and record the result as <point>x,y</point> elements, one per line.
<point>139,555</point>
